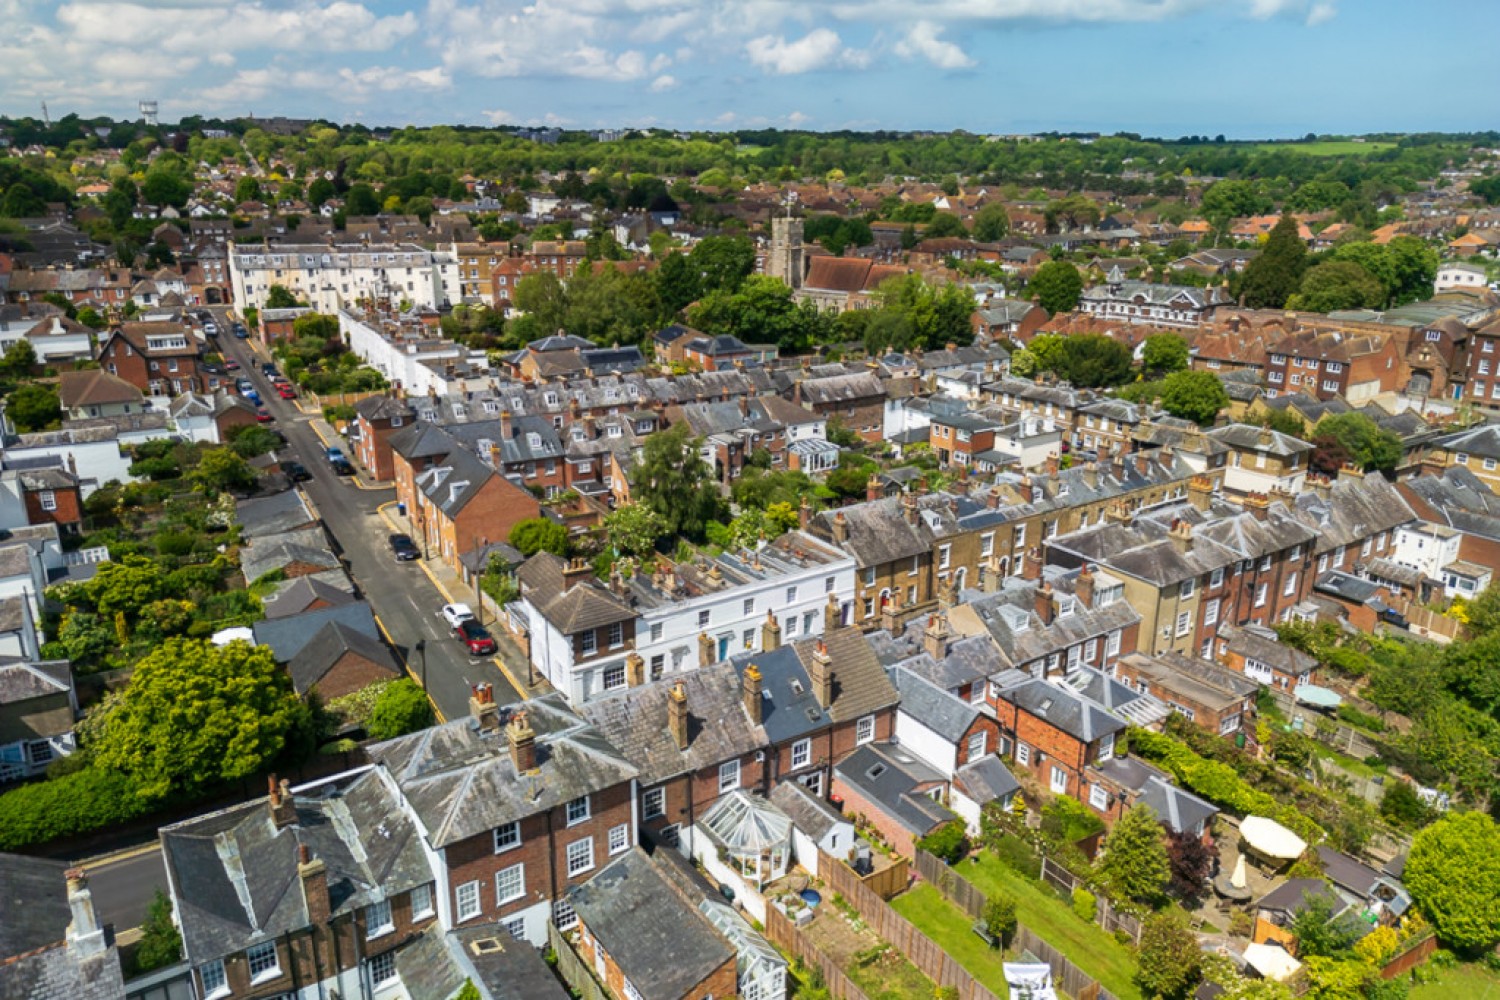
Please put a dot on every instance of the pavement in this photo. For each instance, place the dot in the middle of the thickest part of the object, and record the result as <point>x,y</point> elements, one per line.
<point>405,596</point>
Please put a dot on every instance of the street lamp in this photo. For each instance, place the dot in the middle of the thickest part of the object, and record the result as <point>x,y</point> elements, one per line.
<point>421,650</point>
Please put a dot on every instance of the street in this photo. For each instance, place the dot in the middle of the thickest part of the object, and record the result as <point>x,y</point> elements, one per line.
<point>403,597</point>
<point>122,885</point>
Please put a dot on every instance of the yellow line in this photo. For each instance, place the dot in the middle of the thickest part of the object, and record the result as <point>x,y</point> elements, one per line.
<point>515,682</point>
<point>357,483</point>
<point>103,860</point>
<point>409,671</point>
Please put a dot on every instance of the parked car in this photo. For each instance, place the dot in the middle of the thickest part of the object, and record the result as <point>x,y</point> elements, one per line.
<point>341,467</point>
<point>404,548</point>
<point>296,471</point>
<point>253,396</point>
<point>231,365</point>
<point>268,369</point>
<point>285,391</point>
<point>336,454</point>
<point>476,637</point>
<point>455,613</point>
<point>263,416</point>
<point>242,334</point>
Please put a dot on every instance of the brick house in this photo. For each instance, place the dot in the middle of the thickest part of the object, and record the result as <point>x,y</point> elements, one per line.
<point>160,359</point>
<point>857,401</point>
<point>377,418</point>
<point>1054,733</point>
<point>1335,363</point>
<point>957,438</point>
<point>1211,697</point>
<point>1254,651</point>
<point>520,804</point>
<point>51,496</point>
<point>340,660</point>
<point>1459,500</point>
<point>461,504</point>
<point>941,728</point>
<point>895,791</point>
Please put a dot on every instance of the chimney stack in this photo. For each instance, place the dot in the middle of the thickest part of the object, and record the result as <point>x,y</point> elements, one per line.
<point>1083,588</point>
<point>575,571</point>
<point>833,614</point>
<point>1181,534</point>
<point>935,636</point>
<point>84,935</point>
<point>820,672</point>
<point>313,875</point>
<point>947,594</point>
<point>483,708</point>
<point>522,739</point>
<point>804,514</point>
<point>283,806</point>
<point>909,508</point>
<point>1031,566</point>
<point>1091,475</point>
<point>1046,608</point>
<point>706,657</point>
<point>1347,471</point>
<point>635,669</point>
<point>770,633</point>
<point>505,425</point>
<point>840,528</point>
<point>993,497</point>
<point>1258,505</point>
<point>1201,492</point>
<point>872,488</point>
<point>751,692</point>
<point>1264,438</point>
<point>890,614</point>
<point>677,715</point>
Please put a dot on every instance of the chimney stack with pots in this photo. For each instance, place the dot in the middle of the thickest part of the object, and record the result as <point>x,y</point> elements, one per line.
<point>1031,565</point>
<point>522,740</point>
<point>752,689</point>
<point>1046,607</point>
<point>840,528</point>
<point>935,636</point>
<point>770,633</point>
<point>313,875</point>
<point>85,936</point>
<point>483,708</point>
<point>677,715</point>
<point>820,672</point>
<point>283,806</point>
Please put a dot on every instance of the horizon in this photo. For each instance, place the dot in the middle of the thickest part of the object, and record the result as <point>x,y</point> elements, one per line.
<point>1158,68</point>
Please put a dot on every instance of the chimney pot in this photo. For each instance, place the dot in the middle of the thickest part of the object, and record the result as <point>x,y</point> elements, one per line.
<point>820,672</point>
<point>522,739</point>
<point>770,632</point>
<point>1046,607</point>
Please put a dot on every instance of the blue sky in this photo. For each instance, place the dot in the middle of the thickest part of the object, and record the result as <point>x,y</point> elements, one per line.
<point>1247,68</point>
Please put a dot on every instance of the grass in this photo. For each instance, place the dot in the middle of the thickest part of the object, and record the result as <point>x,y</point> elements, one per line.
<point>1469,981</point>
<point>950,927</point>
<point>1334,147</point>
<point>889,976</point>
<point>1086,944</point>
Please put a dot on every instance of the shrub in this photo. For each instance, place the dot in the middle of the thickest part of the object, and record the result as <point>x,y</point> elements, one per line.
<point>1000,918</point>
<point>78,803</point>
<point>161,943</point>
<point>1085,904</point>
<point>1017,855</point>
<point>948,842</point>
<point>1065,820</point>
<point>400,708</point>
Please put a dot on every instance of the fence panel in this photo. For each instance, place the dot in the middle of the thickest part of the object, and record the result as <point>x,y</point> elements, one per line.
<point>784,934</point>
<point>573,969</point>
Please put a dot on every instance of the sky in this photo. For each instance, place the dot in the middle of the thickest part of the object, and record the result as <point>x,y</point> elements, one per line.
<point>1244,68</point>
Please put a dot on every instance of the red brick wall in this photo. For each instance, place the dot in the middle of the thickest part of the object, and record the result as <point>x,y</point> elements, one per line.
<point>352,673</point>
<point>722,982</point>
<point>856,805</point>
<point>67,515</point>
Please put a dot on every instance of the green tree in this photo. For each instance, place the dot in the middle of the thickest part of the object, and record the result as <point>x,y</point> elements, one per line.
<point>949,842</point>
<point>468,991</point>
<point>318,326</point>
<point>319,191</point>
<point>34,407</point>
<point>542,296</point>
<point>1232,199</point>
<point>1169,961</point>
<point>161,943</point>
<point>1337,284</point>
<point>539,534</point>
<point>194,714</point>
<point>1164,353</point>
<point>1484,611</point>
<point>1367,443</point>
<point>723,261</point>
<point>1453,873</point>
<point>19,359</point>
<point>1321,931</point>
<point>277,297</point>
<point>1195,396</point>
<point>163,187</point>
<point>222,470</point>
<point>401,707</point>
<point>1135,864</point>
<point>1337,979</point>
<point>992,222</point>
<point>91,318</point>
<point>761,311</point>
<point>361,199</point>
<point>1284,421</point>
<point>1271,278</point>
<point>1056,286</point>
<point>677,282</point>
<point>247,189</point>
<point>1090,360</point>
<point>1071,212</point>
<point>934,314</point>
<point>1000,918</point>
<point>252,441</point>
<point>944,224</point>
<point>634,529</point>
<point>673,480</point>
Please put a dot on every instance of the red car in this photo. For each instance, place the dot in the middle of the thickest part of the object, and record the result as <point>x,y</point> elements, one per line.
<point>285,391</point>
<point>474,635</point>
<point>263,416</point>
<point>231,365</point>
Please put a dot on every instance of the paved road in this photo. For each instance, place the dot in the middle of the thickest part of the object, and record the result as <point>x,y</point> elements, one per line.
<point>404,598</point>
<point>122,888</point>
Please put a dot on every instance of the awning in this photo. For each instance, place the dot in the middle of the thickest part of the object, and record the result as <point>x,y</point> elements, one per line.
<point>228,635</point>
<point>1318,697</point>
<point>1270,839</point>
<point>1271,962</point>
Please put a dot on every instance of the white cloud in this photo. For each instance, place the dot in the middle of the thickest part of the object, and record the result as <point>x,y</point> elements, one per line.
<point>818,49</point>
<point>1321,13</point>
<point>797,118</point>
<point>663,83</point>
<point>922,42</point>
<point>546,38</point>
<point>305,25</point>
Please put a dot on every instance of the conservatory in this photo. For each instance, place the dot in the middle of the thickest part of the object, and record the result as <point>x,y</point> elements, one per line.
<point>760,969</point>
<point>751,836</point>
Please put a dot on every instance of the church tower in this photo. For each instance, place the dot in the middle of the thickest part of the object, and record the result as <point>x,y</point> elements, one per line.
<point>787,259</point>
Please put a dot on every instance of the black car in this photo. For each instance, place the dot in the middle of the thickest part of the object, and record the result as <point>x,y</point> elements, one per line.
<point>296,471</point>
<point>404,548</point>
<point>267,369</point>
<point>341,467</point>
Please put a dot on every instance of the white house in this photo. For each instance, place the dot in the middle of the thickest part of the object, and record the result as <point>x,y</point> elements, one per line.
<point>816,826</point>
<point>329,277</point>
<point>402,355</point>
<point>1459,275</point>
<point>94,451</point>
<point>1427,547</point>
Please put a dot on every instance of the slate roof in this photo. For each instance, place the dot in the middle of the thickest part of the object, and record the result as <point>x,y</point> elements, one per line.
<point>515,971</point>
<point>1248,438</point>
<point>789,709</point>
<point>719,729</point>
<point>1064,709</point>
<point>383,408</point>
<point>1207,683</point>
<point>287,636</point>
<point>234,874</point>
<point>25,681</point>
<point>61,973</point>
<point>1354,510</point>
<point>422,439</point>
<point>455,481</point>
<point>1181,810</point>
<point>946,715</point>
<point>889,776</point>
<point>327,646</point>
<point>306,545</point>
<point>461,780</point>
<point>583,606</point>
<point>1458,499</point>
<point>986,780</point>
<point>1260,643</point>
<point>808,813</point>
<point>663,945</point>
<point>842,389</point>
<point>1482,441</point>
<point>1293,894</point>
<point>1022,637</point>
<point>35,910</point>
<point>294,596</point>
<point>273,515</point>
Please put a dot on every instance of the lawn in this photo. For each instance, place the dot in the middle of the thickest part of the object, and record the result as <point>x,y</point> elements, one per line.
<point>950,927</point>
<point>1471,982</point>
<point>887,975</point>
<point>1335,147</point>
<point>1085,943</point>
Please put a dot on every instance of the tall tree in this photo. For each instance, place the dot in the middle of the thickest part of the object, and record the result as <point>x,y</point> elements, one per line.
<point>723,261</point>
<point>401,707</point>
<point>539,534</point>
<point>1453,872</point>
<point>1135,865</point>
<point>1169,961</point>
<point>1164,353</point>
<point>633,529</point>
<point>992,222</point>
<point>677,282</point>
<point>1195,396</point>
<point>1271,278</point>
<point>1337,284</point>
<point>1057,286</point>
<point>33,407</point>
<point>1370,446</point>
<point>673,480</point>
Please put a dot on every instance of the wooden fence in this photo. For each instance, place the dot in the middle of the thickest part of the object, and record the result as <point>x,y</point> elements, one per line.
<point>969,898</point>
<point>573,969</point>
<point>1414,955</point>
<point>787,936</point>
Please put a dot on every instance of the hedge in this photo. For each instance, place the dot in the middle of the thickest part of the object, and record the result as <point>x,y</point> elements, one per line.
<point>1219,783</point>
<point>73,804</point>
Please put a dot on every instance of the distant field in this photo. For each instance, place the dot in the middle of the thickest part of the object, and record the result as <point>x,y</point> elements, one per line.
<point>1340,147</point>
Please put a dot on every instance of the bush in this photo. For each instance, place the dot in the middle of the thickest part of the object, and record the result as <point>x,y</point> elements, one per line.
<point>78,803</point>
<point>161,943</point>
<point>1000,918</point>
<point>400,708</point>
<point>1017,855</point>
<point>1067,821</point>
<point>1085,904</point>
<point>1363,720</point>
<point>948,842</point>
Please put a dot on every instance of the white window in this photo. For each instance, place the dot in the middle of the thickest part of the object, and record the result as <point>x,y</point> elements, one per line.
<point>1291,586</point>
<point>790,628</point>
<point>870,577</point>
<point>916,566</point>
<point>1184,623</point>
<point>468,901</point>
<point>978,745</point>
<point>864,729</point>
<point>580,856</point>
<point>421,902</point>
<point>383,968</point>
<point>378,919</point>
<point>1112,644</point>
<point>1023,753</point>
<point>616,635</point>
<point>1265,563</point>
<point>564,916</point>
<point>214,982</point>
<point>1229,724</point>
<point>48,499</point>
<point>578,810</point>
<point>507,836</point>
<point>791,595</point>
<point>619,838</point>
<point>655,803</point>
<point>749,606</point>
<point>729,776</point>
<point>1322,562</point>
<point>1185,590</point>
<point>1260,596</point>
<point>264,964</point>
<point>510,883</point>
<point>614,676</point>
<point>703,619</point>
<point>1059,781</point>
<point>1217,579</point>
<point>1211,612</point>
<point>801,753</point>
<point>945,553</point>
<point>986,544</point>
<point>1461,458</point>
<point>590,643</point>
<point>1098,797</point>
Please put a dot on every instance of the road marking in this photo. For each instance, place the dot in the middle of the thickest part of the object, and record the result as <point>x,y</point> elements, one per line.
<point>407,666</point>
<point>521,689</point>
<point>129,854</point>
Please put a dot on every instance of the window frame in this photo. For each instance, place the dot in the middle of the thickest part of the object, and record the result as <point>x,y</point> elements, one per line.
<point>383,969</point>
<point>729,776</point>
<point>459,908</point>
<point>427,908</point>
<point>648,811</point>
<point>864,730</point>
<point>379,908</point>
<point>221,987</point>
<point>514,827</point>
<point>803,749</point>
<point>267,972</point>
<point>582,816</point>
<point>517,872</point>
<point>620,833</point>
<point>575,870</point>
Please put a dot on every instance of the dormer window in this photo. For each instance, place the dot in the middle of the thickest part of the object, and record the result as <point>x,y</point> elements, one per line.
<point>550,399</point>
<point>534,440</point>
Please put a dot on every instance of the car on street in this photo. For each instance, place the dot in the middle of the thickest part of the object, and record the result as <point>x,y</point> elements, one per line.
<point>211,329</point>
<point>231,365</point>
<point>243,384</point>
<point>296,471</point>
<point>268,369</point>
<point>263,416</point>
<point>242,334</point>
<point>455,613</point>
<point>341,467</point>
<point>335,454</point>
<point>476,637</point>
<point>404,548</point>
<point>285,391</point>
<point>252,395</point>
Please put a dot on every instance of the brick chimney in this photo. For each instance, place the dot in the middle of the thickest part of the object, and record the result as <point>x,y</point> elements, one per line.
<point>677,715</point>
<point>770,633</point>
<point>1181,534</point>
<point>947,593</point>
<point>1083,587</point>
<point>576,571</point>
<point>84,935</point>
<point>909,508</point>
<point>1118,512</point>
<point>1264,438</point>
<point>1091,475</point>
<point>751,692</point>
<point>833,614</point>
<point>820,672</point>
<point>1201,492</point>
<point>1031,564</point>
<point>1046,607</point>
<point>1257,504</point>
<point>993,497</point>
<point>505,433</point>
<point>840,528</point>
<point>522,740</point>
<point>635,670</point>
<point>1347,471</point>
<point>313,875</point>
<point>804,514</point>
<point>890,614</point>
<point>482,707</point>
<point>935,636</point>
<point>873,490</point>
<point>283,806</point>
<point>706,657</point>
